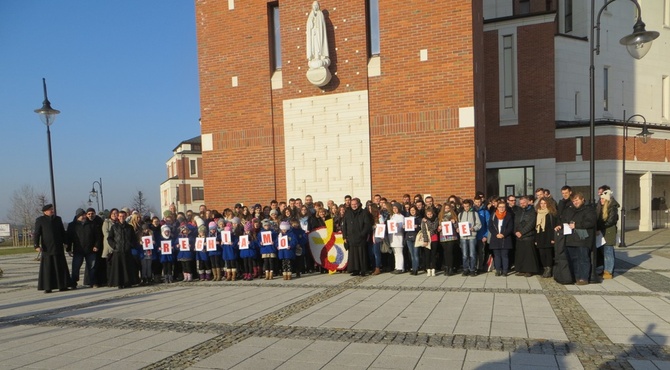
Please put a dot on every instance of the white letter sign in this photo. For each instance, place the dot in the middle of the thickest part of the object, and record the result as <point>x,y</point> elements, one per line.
<point>283,242</point>
<point>199,244</point>
<point>147,242</point>
<point>393,227</point>
<point>225,237</point>
<point>464,228</point>
<point>183,244</point>
<point>379,231</point>
<point>244,242</point>
<point>447,229</point>
<point>211,244</point>
<point>266,237</point>
<point>166,247</point>
<point>409,223</point>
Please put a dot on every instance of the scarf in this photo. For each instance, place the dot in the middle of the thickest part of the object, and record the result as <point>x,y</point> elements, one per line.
<point>500,215</point>
<point>541,218</point>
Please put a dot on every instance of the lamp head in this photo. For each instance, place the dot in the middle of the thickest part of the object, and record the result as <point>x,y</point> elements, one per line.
<point>645,135</point>
<point>47,114</point>
<point>639,42</point>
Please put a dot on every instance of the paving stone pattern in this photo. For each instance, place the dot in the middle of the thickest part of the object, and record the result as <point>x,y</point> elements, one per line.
<point>585,338</point>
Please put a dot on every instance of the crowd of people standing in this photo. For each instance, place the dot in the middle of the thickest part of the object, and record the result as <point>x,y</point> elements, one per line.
<point>539,235</point>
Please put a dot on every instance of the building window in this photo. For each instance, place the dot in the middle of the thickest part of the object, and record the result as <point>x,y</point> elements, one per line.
<point>508,76</point>
<point>568,16</point>
<point>578,145</point>
<point>194,167</point>
<point>606,98</point>
<point>577,103</point>
<point>665,98</point>
<point>524,6</point>
<point>666,13</point>
<point>275,36</point>
<point>516,181</point>
<point>373,26</point>
<point>197,193</point>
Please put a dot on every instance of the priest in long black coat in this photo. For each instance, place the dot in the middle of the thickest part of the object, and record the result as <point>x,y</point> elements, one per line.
<point>356,230</point>
<point>49,237</point>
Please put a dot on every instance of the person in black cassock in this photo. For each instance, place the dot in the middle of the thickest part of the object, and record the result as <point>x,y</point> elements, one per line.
<point>49,238</point>
<point>356,230</point>
<point>122,239</point>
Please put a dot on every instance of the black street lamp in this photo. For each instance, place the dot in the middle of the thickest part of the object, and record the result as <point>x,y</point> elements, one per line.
<point>95,194</point>
<point>644,136</point>
<point>48,116</point>
<point>638,44</point>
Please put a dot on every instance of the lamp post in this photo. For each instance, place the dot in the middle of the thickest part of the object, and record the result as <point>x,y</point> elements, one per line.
<point>48,116</point>
<point>638,44</point>
<point>644,136</point>
<point>95,194</point>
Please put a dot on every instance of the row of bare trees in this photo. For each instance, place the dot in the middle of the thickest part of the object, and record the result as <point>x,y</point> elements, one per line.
<point>27,203</point>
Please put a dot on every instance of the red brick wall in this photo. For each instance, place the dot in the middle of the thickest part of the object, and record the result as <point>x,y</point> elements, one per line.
<point>421,98</point>
<point>421,101</point>
<point>533,136</point>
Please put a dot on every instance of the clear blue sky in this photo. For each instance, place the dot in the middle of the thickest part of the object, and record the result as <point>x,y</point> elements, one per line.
<point>124,75</point>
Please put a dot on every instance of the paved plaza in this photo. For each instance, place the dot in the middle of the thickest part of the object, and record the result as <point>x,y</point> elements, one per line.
<point>323,321</point>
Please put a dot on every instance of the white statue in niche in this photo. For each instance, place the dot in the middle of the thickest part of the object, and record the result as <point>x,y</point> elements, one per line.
<point>317,47</point>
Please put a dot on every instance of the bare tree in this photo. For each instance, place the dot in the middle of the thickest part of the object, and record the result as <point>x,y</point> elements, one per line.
<point>141,205</point>
<point>26,206</point>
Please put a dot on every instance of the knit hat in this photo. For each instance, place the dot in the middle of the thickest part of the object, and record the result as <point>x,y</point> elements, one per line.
<point>79,212</point>
<point>607,195</point>
<point>165,231</point>
<point>284,226</point>
<point>198,221</point>
<point>167,213</point>
<point>227,228</point>
<point>265,222</point>
<point>212,225</point>
<point>247,226</point>
<point>184,229</point>
<point>236,220</point>
<point>274,212</point>
<point>90,209</point>
<point>47,207</point>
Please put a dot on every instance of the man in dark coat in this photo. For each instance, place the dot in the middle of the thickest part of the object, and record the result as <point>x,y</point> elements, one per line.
<point>122,240</point>
<point>356,230</point>
<point>526,261</point>
<point>48,238</point>
<point>84,240</point>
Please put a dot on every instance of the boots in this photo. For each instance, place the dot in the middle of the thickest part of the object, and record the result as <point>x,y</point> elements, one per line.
<point>215,273</point>
<point>377,271</point>
<point>220,270</point>
<point>267,275</point>
<point>208,275</point>
<point>547,272</point>
<point>271,273</point>
<point>234,273</point>
<point>201,275</point>
<point>257,272</point>
<point>229,274</point>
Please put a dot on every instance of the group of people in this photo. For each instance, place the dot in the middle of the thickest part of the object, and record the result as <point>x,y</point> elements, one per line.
<point>536,236</point>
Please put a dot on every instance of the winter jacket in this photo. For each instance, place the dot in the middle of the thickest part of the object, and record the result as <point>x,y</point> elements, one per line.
<point>357,227</point>
<point>585,220</point>
<point>472,218</point>
<point>524,222</point>
<point>484,219</point>
<point>292,243</point>
<point>506,229</point>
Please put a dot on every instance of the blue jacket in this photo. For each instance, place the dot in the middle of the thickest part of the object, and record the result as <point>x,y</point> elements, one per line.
<point>219,249</point>
<point>287,254</point>
<point>484,218</point>
<point>267,249</point>
<point>169,257</point>
<point>187,255</point>
<point>231,251</point>
<point>252,252</point>
<point>302,241</point>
